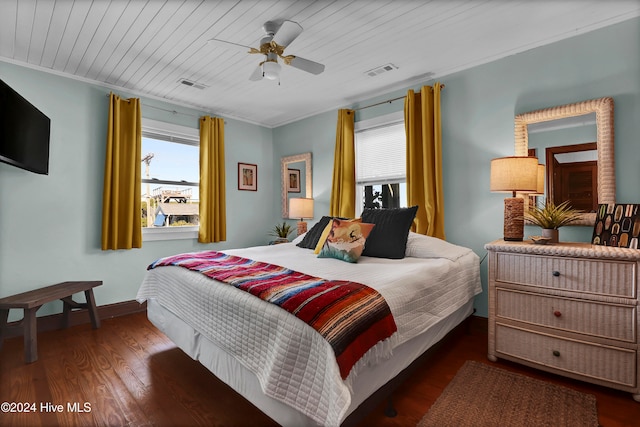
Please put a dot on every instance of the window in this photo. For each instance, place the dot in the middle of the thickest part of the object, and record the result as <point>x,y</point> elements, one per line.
<point>381,163</point>
<point>169,179</point>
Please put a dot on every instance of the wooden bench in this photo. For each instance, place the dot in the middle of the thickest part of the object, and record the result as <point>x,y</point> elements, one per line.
<point>31,301</point>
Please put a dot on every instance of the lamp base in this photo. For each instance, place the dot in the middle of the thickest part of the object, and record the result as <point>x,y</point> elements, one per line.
<point>302,227</point>
<point>513,219</point>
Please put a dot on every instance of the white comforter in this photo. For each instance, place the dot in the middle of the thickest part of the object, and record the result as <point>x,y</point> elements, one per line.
<point>293,363</point>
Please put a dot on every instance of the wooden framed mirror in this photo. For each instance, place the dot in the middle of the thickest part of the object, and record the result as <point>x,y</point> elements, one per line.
<point>302,161</point>
<point>603,110</point>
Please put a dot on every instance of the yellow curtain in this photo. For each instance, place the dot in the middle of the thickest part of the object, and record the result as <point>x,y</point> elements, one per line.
<point>121,214</point>
<point>343,188</point>
<point>213,210</point>
<point>424,160</point>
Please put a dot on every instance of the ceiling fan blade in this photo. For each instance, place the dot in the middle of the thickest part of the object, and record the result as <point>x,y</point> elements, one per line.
<point>305,65</point>
<point>237,46</point>
<point>287,33</point>
<point>257,74</point>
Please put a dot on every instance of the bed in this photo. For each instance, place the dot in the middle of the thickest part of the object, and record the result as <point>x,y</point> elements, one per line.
<point>282,365</point>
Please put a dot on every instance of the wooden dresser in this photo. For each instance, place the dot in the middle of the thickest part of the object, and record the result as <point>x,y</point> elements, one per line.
<point>567,308</point>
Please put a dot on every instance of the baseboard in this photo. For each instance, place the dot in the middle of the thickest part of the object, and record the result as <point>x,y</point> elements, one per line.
<point>79,317</point>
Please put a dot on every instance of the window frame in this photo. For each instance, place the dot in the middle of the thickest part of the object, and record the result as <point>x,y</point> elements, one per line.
<point>362,125</point>
<point>180,135</point>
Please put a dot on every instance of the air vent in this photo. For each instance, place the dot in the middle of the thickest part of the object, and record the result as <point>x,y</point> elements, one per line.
<point>382,69</point>
<point>193,84</point>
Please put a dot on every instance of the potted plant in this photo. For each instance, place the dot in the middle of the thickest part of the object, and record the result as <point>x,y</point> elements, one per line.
<point>281,232</point>
<point>550,217</point>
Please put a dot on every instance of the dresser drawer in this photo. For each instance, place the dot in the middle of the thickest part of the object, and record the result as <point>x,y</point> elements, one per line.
<point>595,362</point>
<point>614,321</point>
<point>602,277</point>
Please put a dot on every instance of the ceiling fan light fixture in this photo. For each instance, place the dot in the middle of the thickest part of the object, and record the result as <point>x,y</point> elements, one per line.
<point>271,70</point>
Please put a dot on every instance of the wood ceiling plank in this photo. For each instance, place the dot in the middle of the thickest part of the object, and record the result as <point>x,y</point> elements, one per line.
<point>77,17</point>
<point>124,43</point>
<point>162,29</point>
<point>24,28</point>
<point>92,21</point>
<point>59,19</point>
<point>41,25</point>
<point>8,21</point>
<point>104,30</point>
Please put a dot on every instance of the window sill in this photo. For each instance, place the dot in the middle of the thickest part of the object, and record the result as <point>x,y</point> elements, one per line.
<point>150,234</point>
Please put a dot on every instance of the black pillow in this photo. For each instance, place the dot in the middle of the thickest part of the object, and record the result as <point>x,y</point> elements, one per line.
<point>310,240</point>
<point>388,239</point>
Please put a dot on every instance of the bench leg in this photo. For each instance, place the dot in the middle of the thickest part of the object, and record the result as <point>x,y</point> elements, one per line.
<point>30,335</point>
<point>93,311</point>
<point>66,311</point>
<point>4,316</point>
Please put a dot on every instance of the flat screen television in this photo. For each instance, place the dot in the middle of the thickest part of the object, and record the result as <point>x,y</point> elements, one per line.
<point>24,132</point>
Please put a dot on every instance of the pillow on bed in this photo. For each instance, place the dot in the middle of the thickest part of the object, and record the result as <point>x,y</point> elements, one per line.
<point>421,246</point>
<point>298,238</point>
<point>325,233</point>
<point>389,238</point>
<point>312,236</point>
<point>346,240</point>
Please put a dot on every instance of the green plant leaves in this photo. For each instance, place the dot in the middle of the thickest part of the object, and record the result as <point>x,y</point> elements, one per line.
<point>549,215</point>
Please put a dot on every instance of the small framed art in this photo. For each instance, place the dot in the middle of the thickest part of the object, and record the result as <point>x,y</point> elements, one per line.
<point>247,177</point>
<point>293,184</point>
<point>617,225</point>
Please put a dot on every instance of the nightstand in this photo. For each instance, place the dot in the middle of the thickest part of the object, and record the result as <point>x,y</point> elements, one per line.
<point>566,308</point>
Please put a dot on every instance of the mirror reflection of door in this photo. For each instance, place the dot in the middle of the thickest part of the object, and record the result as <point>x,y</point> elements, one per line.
<point>572,174</point>
<point>570,157</point>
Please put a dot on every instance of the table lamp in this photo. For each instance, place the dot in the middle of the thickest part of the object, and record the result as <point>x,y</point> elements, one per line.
<point>301,208</point>
<point>515,174</point>
<point>540,185</point>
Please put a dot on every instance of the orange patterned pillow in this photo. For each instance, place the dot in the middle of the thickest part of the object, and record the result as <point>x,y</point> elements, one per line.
<point>326,231</point>
<point>345,240</point>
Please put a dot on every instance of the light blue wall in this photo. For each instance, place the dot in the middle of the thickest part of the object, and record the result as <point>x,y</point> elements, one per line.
<point>478,107</point>
<point>50,225</point>
<point>318,136</point>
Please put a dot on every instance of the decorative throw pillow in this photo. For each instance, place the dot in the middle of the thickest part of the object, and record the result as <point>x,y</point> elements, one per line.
<point>346,240</point>
<point>389,238</point>
<point>325,233</point>
<point>312,236</point>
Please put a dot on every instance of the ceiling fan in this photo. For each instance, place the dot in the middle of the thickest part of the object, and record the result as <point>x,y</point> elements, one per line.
<point>272,46</point>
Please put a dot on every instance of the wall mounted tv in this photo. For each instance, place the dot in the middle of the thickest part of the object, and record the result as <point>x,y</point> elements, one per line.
<point>24,132</point>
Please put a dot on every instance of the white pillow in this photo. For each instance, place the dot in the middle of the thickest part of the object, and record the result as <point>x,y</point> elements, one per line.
<point>298,239</point>
<point>421,246</point>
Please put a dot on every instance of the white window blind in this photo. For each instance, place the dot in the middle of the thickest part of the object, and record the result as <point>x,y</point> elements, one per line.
<point>381,154</point>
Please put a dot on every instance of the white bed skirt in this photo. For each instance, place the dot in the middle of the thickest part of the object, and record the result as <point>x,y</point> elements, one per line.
<point>230,371</point>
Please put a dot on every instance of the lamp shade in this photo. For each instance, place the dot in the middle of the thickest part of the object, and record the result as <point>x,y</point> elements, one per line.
<point>540,186</point>
<point>514,174</point>
<point>300,208</point>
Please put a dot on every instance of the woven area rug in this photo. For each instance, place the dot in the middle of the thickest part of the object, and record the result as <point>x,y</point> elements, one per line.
<point>483,395</point>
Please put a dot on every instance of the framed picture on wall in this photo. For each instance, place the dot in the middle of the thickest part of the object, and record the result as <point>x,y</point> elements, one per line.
<point>293,183</point>
<point>247,177</point>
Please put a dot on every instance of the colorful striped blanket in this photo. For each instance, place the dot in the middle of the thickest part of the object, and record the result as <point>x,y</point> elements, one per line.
<point>352,317</point>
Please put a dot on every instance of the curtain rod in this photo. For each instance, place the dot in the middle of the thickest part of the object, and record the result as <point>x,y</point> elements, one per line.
<point>388,101</point>
<point>168,111</point>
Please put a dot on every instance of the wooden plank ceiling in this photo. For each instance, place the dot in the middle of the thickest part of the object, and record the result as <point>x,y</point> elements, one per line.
<point>145,48</point>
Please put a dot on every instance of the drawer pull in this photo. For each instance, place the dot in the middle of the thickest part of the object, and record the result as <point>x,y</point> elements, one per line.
<point>556,353</point>
<point>556,274</point>
<point>557,313</point>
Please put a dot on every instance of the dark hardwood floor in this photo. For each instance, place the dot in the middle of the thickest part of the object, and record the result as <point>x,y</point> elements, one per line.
<point>127,373</point>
